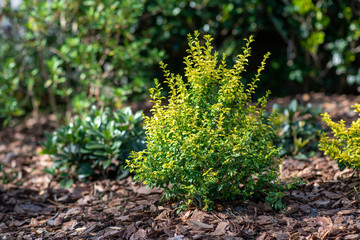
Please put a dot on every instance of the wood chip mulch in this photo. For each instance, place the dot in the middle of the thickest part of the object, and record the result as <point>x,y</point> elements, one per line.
<point>34,207</point>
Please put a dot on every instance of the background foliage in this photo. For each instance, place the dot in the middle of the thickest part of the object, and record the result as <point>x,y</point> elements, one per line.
<point>314,44</point>
<point>70,54</point>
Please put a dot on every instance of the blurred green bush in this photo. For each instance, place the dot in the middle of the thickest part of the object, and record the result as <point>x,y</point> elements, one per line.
<point>75,53</point>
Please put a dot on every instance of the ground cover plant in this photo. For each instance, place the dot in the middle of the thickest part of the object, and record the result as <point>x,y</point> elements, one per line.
<point>94,146</point>
<point>344,144</point>
<point>297,128</point>
<point>209,142</point>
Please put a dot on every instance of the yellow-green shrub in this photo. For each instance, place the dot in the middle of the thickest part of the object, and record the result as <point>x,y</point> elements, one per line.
<point>209,142</point>
<point>344,145</point>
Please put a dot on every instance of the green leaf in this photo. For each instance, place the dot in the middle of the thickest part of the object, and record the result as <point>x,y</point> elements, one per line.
<point>66,183</point>
<point>106,163</point>
<point>101,153</point>
<point>50,171</point>
<point>301,157</point>
<point>94,145</point>
<point>85,151</point>
<point>293,106</point>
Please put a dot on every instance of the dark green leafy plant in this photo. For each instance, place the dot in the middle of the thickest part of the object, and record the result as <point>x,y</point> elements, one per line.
<point>297,128</point>
<point>95,145</point>
<point>209,142</point>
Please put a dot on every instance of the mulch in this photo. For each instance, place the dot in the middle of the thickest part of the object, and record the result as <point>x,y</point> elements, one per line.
<point>34,207</point>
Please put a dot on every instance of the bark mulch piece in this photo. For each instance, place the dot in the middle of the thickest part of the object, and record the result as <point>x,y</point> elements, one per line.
<point>33,207</point>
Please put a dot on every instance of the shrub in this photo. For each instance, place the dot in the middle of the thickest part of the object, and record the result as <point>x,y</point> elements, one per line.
<point>297,129</point>
<point>344,145</point>
<point>94,146</point>
<point>209,142</point>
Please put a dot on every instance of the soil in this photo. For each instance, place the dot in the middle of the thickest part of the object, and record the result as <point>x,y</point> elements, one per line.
<point>34,207</point>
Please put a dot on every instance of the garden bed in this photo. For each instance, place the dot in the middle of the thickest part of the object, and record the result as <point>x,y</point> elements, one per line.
<point>33,207</point>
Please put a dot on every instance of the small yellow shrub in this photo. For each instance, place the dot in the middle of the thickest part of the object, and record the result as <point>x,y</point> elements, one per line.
<point>210,142</point>
<point>344,144</point>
